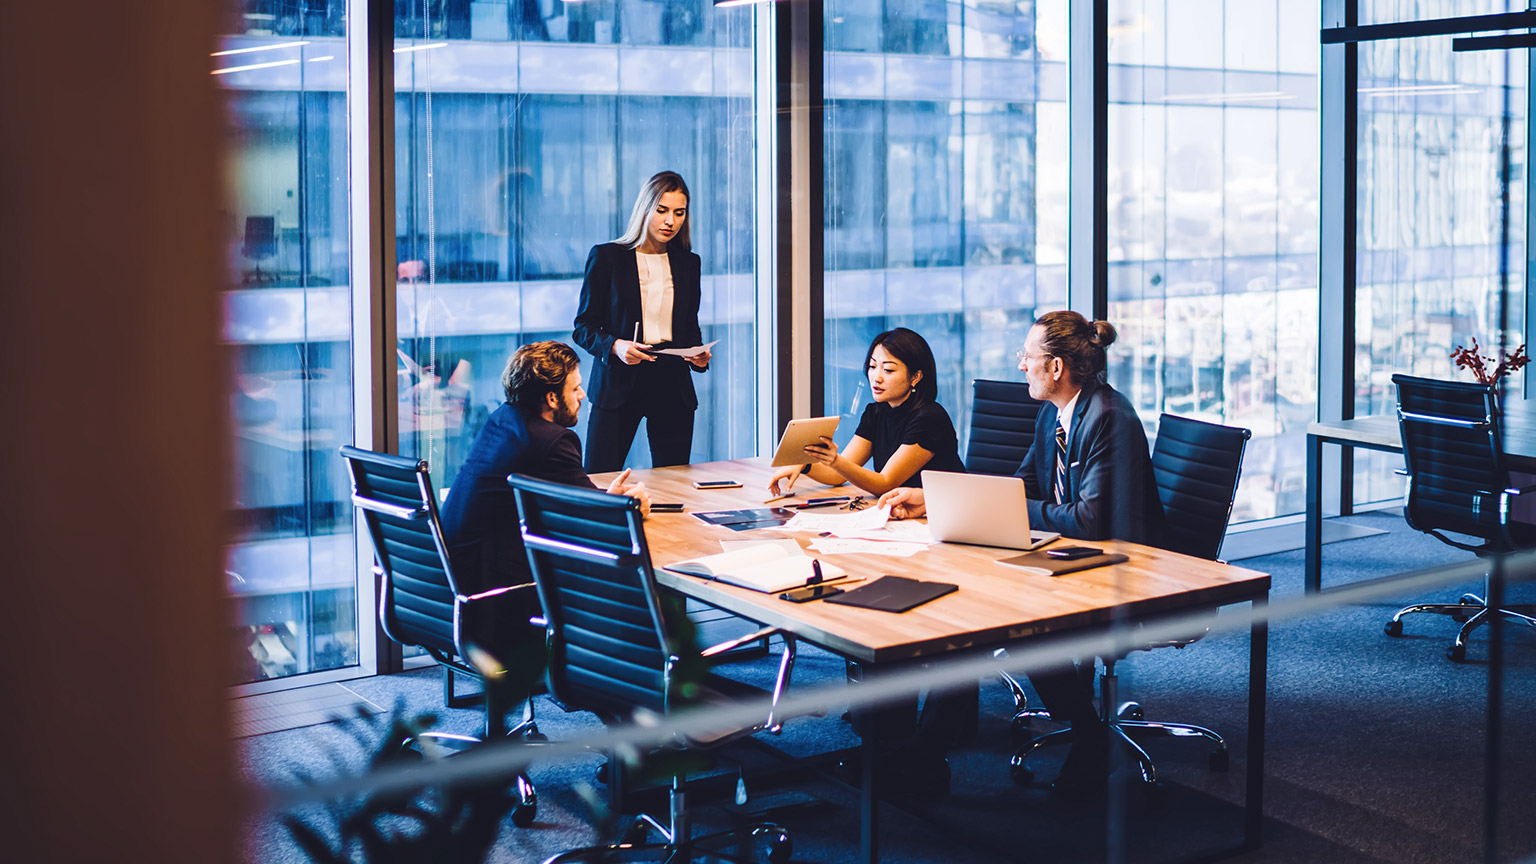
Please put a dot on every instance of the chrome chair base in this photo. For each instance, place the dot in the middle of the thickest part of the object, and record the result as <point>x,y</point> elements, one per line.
<point>1472,610</point>
<point>1126,724</point>
<point>672,849</point>
<point>780,847</point>
<point>439,745</point>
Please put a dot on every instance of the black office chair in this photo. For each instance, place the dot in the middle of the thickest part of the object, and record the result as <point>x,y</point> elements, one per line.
<point>1458,481</point>
<point>1197,466</point>
<point>420,603</point>
<point>260,243</point>
<point>615,648</point>
<point>1002,426</point>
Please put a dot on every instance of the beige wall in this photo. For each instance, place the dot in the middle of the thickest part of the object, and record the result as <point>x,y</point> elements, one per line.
<point>115,744</point>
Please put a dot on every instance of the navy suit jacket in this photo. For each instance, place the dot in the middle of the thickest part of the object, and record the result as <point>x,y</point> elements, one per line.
<point>608,311</point>
<point>485,544</point>
<point>1111,491</point>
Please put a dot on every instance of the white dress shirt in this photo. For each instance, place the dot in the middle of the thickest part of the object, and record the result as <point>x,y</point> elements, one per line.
<point>655,298</point>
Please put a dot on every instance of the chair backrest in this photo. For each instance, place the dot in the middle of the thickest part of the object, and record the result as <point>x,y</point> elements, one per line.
<point>1197,466</point>
<point>260,237</point>
<point>417,591</point>
<point>1454,456</point>
<point>611,649</point>
<point>1002,426</point>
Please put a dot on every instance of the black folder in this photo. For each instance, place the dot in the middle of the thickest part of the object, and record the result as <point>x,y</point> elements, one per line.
<point>893,594</point>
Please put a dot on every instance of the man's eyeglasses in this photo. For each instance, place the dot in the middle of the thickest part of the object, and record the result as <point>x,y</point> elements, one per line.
<point>1023,355</point>
<point>858,503</point>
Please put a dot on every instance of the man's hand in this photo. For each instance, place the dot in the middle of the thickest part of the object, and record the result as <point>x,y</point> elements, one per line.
<point>630,353</point>
<point>905,503</point>
<point>622,486</point>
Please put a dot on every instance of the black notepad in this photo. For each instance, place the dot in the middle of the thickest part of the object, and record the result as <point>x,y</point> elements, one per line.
<point>893,594</point>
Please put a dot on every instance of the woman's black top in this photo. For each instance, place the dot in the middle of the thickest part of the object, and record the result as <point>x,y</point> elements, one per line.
<point>925,424</point>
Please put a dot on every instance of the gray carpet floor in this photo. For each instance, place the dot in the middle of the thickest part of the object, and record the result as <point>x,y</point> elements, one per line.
<point>1375,750</point>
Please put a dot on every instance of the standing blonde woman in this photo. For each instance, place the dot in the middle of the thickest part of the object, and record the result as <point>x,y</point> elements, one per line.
<point>641,292</point>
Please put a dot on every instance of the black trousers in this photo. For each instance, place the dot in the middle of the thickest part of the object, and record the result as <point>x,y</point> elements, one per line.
<point>1067,691</point>
<point>668,428</point>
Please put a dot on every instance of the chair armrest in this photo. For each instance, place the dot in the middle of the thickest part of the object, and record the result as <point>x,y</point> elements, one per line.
<point>1519,490</point>
<point>774,723</point>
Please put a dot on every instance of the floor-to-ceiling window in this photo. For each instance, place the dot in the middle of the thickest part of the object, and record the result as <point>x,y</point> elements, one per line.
<point>946,195</point>
<point>1212,224</point>
<point>287,332</point>
<point>523,132</point>
<point>1428,223</point>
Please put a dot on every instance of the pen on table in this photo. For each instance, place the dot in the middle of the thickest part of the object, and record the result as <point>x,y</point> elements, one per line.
<point>824,502</point>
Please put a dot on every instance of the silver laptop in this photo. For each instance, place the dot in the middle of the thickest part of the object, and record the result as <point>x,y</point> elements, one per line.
<point>982,509</point>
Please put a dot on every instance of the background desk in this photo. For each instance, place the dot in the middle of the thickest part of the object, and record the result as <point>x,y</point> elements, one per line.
<point>1381,432</point>
<point>996,605</point>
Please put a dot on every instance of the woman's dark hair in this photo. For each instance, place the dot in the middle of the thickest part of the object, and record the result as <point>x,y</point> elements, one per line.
<point>535,370</point>
<point>645,204</point>
<point>912,350</point>
<point>1078,342</point>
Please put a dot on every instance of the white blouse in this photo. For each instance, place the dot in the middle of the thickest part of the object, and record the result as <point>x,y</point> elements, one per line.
<point>655,298</point>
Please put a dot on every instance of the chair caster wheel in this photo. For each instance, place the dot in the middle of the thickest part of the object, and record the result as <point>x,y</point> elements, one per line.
<point>1020,775</point>
<point>1157,794</point>
<point>524,814</point>
<point>780,849</point>
<point>1220,760</point>
<point>535,738</point>
<point>1393,628</point>
<point>1131,711</point>
<point>1019,730</point>
<point>636,833</point>
<point>1456,653</point>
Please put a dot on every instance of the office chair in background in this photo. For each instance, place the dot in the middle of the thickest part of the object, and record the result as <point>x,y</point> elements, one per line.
<point>1002,426</point>
<point>260,244</point>
<point>420,603</point>
<point>1197,466</point>
<point>1458,481</point>
<point>615,649</point>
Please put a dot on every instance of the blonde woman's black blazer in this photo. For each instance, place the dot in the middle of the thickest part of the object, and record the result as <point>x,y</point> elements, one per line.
<point>608,311</point>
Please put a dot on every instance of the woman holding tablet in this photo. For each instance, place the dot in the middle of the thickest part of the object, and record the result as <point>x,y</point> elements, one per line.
<point>903,431</point>
<point>641,291</point>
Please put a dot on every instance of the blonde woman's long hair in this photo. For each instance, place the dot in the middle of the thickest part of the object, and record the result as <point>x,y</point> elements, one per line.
<point>645,205</point>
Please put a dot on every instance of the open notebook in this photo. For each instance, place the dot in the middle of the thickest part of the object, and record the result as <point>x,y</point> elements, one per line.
<point>765,567</point>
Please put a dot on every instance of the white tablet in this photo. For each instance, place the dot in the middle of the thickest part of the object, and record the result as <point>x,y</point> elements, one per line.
<point>798,435</point>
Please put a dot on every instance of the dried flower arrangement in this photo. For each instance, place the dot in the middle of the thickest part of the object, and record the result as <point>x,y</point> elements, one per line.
<point>1469,358</point>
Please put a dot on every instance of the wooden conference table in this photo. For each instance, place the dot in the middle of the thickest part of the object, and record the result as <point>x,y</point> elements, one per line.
<point>995,606</point>
<point>1381,432</point>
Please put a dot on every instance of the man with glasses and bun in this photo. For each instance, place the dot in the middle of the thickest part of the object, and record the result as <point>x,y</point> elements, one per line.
<point>1088,476</point>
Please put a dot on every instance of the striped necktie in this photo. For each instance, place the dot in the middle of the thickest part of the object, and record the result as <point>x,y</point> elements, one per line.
<point>1061,464</point>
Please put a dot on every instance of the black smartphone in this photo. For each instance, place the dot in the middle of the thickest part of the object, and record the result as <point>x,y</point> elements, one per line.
<point>811,592</point>
<point>666,508</point>
<point>1072,553</point>
<point>716,484</point>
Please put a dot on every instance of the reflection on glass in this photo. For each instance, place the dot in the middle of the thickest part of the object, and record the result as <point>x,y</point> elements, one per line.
<point>515,155</point>
<point>287,330</point>
<point>1213,225</point>
<point>1427,276</point>
<point>946,192</point>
